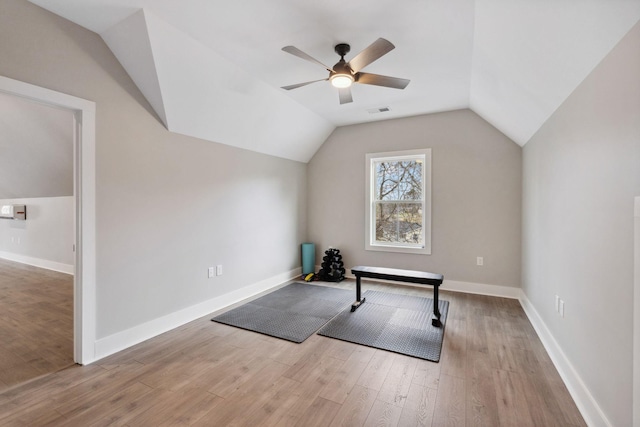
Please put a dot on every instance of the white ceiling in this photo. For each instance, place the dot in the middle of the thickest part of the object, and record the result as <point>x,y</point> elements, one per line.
<point>213,70</point>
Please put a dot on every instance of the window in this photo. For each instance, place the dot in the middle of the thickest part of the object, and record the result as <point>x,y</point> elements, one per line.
<point>398,197</point>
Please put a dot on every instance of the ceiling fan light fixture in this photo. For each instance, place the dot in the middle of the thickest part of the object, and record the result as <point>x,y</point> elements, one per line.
<point>340,80</point>
<point>343,74</point>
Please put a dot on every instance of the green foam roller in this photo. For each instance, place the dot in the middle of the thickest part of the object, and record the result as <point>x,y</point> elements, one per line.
<point>308,258</point>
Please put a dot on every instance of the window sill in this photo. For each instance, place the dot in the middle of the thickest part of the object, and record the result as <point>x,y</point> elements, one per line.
<point>399,249</point>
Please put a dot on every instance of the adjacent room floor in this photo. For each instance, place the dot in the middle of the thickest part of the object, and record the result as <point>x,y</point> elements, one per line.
<point>493,372</point>
<point>36,322</point>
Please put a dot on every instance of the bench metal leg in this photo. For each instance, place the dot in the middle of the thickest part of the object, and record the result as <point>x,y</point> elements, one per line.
<point>359,301</point>
<point>435,321</point>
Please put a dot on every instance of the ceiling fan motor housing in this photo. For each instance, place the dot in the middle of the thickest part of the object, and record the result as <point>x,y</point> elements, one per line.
<point>342,49</point>
<point>342,68</point>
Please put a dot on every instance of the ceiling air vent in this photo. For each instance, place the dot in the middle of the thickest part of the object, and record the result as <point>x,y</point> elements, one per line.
<point>378,110</point>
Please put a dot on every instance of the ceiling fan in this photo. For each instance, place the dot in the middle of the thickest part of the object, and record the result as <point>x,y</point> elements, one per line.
<point>344,74</point>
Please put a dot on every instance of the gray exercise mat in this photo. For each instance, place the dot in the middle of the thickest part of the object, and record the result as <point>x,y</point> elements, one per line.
<point>398,323</point>
<point>293,313</point>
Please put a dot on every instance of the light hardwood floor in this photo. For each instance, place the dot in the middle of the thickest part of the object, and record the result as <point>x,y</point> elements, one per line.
<point>36,322</point>
<point>493,372</point>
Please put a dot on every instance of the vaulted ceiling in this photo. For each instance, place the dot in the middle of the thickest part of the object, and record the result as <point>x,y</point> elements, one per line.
<point>214,70</point>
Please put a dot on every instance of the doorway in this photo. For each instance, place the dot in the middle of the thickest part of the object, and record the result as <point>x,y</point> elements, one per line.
<point>84,286</point>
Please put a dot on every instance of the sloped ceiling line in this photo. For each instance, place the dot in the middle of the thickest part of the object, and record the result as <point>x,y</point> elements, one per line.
<point>130,42</point>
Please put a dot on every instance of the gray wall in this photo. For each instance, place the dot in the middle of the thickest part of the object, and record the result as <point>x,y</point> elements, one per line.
<point>476,195</point>
<point>168,206</point>
<point>46,235</point>
<point>36,146</point>
<point>581,173</point>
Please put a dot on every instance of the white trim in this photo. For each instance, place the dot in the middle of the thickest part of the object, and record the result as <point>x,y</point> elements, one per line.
<point>481,289</point>
<point>85,221</point>
<point>586,403</point>
<point>38,262</point>
<point>130,337</point>
<point>636,313</point>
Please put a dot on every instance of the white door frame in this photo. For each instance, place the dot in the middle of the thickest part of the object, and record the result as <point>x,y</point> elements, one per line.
<point>84,301</point>
<point>636,313</point>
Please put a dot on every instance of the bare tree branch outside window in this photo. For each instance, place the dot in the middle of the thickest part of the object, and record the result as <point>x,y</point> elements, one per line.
<point>398,201</point>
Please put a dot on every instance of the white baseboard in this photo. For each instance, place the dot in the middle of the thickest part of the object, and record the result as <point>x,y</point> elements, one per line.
<point>585,402</point>
<point>481,289</point>
<point>37,262</point>
<point>130,337</point>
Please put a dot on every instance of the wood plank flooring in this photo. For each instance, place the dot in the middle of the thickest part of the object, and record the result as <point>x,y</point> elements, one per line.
<point>36,322</point>
<point>493,372</point>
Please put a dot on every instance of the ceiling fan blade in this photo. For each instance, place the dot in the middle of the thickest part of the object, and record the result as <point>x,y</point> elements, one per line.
<point>378,80</point>
<point>297,85</point>
<point>375,50</point>
<point>300,54</point>
<point>345,95</point>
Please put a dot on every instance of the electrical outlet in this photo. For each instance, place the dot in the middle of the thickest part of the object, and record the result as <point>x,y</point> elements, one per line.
<point>210,272</point>
<point>480,260</point>
<point>218,270</point>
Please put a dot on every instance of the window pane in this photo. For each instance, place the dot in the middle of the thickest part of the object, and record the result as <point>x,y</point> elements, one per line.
<point>398,180</point>
<point>399,223</point>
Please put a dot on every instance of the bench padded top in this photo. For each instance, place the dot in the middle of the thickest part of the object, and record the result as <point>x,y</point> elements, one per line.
<point>411,276</point>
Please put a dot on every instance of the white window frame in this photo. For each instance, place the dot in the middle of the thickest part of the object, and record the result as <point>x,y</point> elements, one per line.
<point>370,240</point>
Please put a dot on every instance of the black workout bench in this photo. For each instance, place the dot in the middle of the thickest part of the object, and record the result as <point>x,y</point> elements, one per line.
<point>410,276</point>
